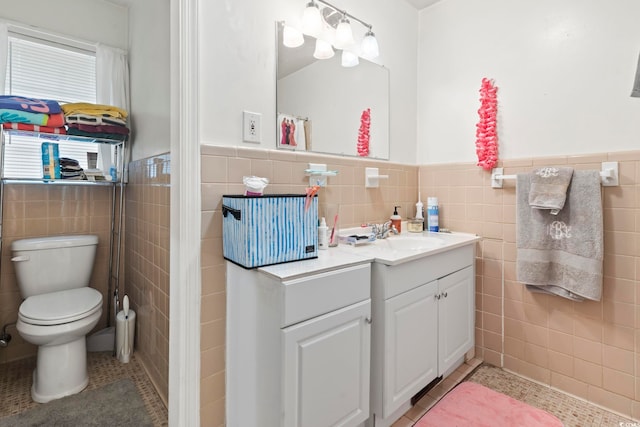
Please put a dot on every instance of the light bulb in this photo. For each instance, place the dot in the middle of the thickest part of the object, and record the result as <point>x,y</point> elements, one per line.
<point>349,59</point>
<point>323,50</point>
<point>344,34</point>
<point>292,37</point>
<point>370,46</point>
<point>311,19</point>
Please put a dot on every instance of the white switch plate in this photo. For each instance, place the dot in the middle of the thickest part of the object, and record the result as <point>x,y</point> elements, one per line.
<point>251,127</point>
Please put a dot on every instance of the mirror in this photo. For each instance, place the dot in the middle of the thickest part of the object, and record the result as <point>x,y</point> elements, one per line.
<point>320,103</point>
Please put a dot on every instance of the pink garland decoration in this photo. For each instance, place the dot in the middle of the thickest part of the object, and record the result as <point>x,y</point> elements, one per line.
<point>363,133</point>
<point>486,132</point>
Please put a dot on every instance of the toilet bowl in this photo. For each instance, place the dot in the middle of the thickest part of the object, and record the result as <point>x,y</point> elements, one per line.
<point>59,312</point>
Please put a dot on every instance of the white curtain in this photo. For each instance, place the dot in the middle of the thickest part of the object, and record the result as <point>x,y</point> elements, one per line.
<point>112,84</point>
<point>4,53</point>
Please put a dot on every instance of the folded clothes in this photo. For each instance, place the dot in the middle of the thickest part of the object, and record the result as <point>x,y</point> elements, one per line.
<point>69,162</point>
<point>16,116</point>
<point>31,105</point>
<point>87,119</point>
<point>94,109</point>
<point>100,128</point>
<point>34,128</point>
<point>114,136</point>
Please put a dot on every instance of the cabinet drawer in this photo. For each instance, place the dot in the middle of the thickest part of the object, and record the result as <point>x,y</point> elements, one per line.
<point>312,296</point>
<point>391,280</point>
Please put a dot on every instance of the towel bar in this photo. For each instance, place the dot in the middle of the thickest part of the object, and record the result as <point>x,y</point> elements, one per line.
<point>608,175</point>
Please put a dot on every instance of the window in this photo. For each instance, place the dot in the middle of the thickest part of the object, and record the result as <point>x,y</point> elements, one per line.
<point>43,69</point>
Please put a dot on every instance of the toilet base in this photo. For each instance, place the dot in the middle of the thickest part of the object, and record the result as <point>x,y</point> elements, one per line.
<point>61,370</point>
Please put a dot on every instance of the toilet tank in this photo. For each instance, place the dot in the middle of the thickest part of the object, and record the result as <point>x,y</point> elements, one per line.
<point>56,263</point>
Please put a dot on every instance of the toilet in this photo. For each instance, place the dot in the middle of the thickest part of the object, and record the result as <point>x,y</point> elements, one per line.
<point>58,311</point>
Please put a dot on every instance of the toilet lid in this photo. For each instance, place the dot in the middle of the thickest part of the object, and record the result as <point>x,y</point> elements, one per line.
<point>60,307</point>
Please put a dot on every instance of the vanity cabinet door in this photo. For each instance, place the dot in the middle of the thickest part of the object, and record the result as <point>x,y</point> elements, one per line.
<point>411,344</point>
<point>456,311</point>
<point>326,369</point>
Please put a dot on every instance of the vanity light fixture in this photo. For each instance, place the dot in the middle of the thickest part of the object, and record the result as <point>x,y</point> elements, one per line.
<point>349,59</point>
<point>370,45</point>
<point>323,23</point>
<point>324,50</point>
<point>311,19</point>
<point>291,37</point>
<point>344,34</point>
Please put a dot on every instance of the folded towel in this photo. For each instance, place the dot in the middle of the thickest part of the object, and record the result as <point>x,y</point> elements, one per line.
<point>104,135</point>
<point>31,105</point>
<point>17,116</point>
<point>87,119</point>
<point>635,92</point>
<point>123,130</point>
<point>94,109</point>
<point>549,188</point>
<point>34,128</point>
<point>562,254</point>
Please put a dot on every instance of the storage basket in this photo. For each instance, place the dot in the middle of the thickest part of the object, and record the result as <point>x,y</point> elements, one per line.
<point>269,229</point>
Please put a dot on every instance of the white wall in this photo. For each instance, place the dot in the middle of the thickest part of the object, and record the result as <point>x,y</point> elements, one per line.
<point>564,70</point>
<point>149,67</point>
<point>87,20</point>
<point>237,65</point>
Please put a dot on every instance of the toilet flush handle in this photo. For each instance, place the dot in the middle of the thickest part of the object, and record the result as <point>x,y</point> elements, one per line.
<point>20,258</point>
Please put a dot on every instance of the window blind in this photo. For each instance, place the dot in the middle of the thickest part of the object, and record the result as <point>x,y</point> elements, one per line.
<point>46,70</point>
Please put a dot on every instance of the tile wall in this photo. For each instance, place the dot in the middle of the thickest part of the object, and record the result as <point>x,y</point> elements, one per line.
<point>147,263</point>
<point>222,172</point>
<point>588,349</point>
<point>34,210</point>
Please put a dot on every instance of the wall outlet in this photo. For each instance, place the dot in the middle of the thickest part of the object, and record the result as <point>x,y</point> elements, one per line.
<point>251,128</point>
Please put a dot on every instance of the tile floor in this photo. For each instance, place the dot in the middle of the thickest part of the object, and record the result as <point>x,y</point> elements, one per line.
<point>15,383</point>
<point>571,411</point>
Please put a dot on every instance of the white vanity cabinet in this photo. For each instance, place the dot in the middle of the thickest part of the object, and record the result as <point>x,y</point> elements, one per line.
<point>298,345</point>
<point>423,325</point>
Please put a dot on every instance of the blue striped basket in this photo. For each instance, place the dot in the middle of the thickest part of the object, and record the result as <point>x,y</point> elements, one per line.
<point>269,229</point>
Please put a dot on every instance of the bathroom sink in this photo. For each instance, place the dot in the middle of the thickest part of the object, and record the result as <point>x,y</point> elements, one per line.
<point>405,243</point>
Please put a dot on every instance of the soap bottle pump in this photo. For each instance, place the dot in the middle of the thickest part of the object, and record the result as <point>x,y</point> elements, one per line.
<point>396,219</point>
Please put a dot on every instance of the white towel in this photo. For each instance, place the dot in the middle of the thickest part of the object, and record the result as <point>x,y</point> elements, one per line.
<point>562,254</point>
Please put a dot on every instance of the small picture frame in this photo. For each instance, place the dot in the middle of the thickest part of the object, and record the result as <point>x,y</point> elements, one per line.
<point>292,132</point>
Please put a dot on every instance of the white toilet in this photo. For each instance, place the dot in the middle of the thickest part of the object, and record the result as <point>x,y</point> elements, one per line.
<point>59,309</point>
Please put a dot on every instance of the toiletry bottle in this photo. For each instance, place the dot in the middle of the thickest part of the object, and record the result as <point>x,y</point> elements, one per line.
<point>323,235</point>
<point>396,220</point>
<point>432,214</point>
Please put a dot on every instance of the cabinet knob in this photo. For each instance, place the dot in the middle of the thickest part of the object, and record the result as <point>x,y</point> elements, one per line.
<point>445,294</point>
<point>437,296</point>
<point>368,320</point>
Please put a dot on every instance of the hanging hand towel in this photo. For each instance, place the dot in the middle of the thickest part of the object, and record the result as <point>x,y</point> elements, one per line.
<point>549,188</point>
<point>635,92</point>
<point>562,254</point>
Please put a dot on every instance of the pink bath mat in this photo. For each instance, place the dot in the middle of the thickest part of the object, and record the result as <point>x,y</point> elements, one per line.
<point>473,405</point>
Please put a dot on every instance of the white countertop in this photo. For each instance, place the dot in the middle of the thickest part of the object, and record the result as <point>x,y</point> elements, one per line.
<point>382,251</point>
<point>329,259</point>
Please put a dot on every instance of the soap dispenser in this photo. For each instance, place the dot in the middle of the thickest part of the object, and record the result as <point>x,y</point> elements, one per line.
<point>396,219</point>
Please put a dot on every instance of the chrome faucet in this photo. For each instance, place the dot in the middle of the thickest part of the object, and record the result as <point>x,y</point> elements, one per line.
<point>382,230</point>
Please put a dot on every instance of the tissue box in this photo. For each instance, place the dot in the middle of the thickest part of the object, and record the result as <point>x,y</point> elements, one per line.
<point>269,229</point>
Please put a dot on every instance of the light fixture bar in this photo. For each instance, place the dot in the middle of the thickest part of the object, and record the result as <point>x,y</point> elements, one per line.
<point>345,13</point>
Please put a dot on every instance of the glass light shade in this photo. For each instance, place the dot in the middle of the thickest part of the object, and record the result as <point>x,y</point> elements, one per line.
<point>292,37</point>
<point>344,34</point>
<point>370,46</point>
<point>311,20</point>
<point>349,59</point>
<point>323,50</point>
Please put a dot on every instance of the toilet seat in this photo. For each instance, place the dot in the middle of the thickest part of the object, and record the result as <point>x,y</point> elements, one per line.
<point>60,307</point>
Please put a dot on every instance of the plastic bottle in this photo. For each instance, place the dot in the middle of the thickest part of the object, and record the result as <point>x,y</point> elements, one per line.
<point>323,235</point>
<point>432,214</point>
<point>396,219</point>
<point>113,173</point>
<point>419,209</point>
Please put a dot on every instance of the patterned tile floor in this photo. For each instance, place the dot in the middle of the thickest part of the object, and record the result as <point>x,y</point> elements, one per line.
<point>15,383</point>
<point>571,411</point>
